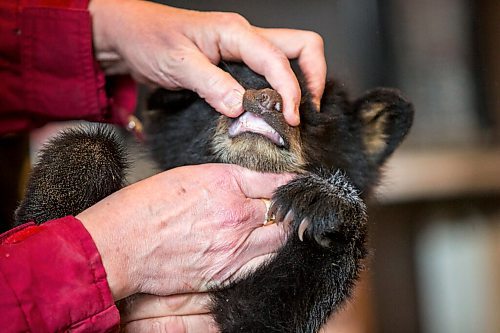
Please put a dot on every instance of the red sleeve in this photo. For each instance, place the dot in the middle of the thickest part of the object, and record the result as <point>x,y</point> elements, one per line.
<point>48,71</point>
<point>52,280</point>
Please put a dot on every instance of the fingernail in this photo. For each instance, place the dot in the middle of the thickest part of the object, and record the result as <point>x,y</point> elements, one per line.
<point>316,103</point>
<point>233,101</point>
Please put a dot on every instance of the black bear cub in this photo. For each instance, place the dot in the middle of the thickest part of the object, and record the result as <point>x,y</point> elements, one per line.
<point>336,151</point>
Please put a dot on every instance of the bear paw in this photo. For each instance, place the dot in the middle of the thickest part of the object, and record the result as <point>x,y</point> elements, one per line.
<point>321,207</point>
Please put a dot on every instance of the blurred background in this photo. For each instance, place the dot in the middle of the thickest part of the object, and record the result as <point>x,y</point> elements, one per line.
<point>435,223</point>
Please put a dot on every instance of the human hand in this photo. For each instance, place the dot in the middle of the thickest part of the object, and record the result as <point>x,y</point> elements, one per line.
<point>185,229</point>
<point>177,48</point>
<point>184,313</point>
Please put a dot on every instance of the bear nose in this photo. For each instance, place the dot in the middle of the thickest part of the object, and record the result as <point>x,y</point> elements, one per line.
<point>269,99</point>
<point>263,100</point>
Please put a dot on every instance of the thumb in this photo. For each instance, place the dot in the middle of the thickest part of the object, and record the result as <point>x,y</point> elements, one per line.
<point>260,185</point>
<point>217,87</point>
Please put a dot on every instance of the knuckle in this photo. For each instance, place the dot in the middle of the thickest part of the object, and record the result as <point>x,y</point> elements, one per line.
<point>232,21</point>
<point>237,216</point>
<point>315,39</point>
<point>233,213</point>
<point>236,20</point>
<point>278,65</point>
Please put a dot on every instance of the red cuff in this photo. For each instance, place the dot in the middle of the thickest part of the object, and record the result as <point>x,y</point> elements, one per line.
<point>52,279</point>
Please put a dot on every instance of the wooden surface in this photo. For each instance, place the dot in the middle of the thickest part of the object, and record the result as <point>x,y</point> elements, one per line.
<point>438,174</point>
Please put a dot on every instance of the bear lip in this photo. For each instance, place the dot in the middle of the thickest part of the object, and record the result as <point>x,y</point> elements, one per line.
<point>250,122</point>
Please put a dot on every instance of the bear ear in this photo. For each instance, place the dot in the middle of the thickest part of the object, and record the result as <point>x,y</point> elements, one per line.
<point>386,117</point>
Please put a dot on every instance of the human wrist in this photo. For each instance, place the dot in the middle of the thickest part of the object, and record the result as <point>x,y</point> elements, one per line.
<point>106,16</point>
<point>112,252</point>
<point>99,13</point>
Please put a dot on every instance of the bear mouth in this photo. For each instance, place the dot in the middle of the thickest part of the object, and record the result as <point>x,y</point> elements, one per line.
<point>249,122</point>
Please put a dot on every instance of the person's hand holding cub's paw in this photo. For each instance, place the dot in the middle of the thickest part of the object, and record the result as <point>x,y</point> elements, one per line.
<point>184,230</point>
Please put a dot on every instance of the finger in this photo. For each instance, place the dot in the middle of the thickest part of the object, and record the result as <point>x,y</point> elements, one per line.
<point>308,48</point>
<point>258,208</point>
<point>260,239</point>
<point>180,324</point>
<point>250,266</point>
<point>258,185</point>
<point>267,60</point>
<point>151,306</point>
<point>217,87</point>
<point>266,239</point>
<point>264,243</point>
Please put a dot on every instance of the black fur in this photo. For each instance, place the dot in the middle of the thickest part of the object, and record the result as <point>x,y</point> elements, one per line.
<point>75,170</point>
<point>343,148</point>
<point>300,288</point>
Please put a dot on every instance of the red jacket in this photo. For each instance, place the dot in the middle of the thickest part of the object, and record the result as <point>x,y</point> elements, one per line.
<point>47,68</point>
<point>51,276</point>
<point>52,280</point>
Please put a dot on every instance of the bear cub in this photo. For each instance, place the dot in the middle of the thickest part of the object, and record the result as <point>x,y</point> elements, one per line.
<point>337,153</point>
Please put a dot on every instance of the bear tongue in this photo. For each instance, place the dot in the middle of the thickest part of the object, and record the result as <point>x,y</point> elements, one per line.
<point>250,122</point>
